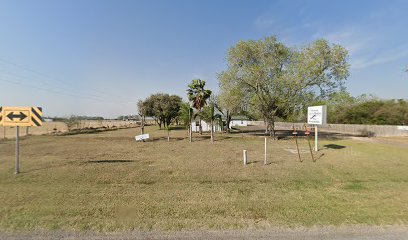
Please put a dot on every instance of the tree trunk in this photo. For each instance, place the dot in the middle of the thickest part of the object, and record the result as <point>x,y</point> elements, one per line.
<point>158,121</point>
<point>143,124</point>
<point>271,129</point>
<point>200,127</point>
<point>212,131</point>
<point>190,133</point>
<point>227,123</point>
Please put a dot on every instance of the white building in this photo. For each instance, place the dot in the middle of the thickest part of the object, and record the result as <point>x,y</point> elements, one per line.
<point>238,121</point>
<point>195,126</point>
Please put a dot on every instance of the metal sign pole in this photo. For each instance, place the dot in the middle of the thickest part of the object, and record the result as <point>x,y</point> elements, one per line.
<point>297,146</point>
<point>17,150</point>
<point>316,144</point>
<point>307,132</point>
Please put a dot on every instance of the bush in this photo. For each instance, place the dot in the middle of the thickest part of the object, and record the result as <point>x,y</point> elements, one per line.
<point>367,133</point>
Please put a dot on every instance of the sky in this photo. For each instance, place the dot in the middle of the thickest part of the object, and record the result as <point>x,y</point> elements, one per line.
<point>99,57</point>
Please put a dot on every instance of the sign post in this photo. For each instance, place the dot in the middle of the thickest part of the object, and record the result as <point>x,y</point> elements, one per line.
<point>316,136</point>
<point>142,137</point>
<point>17,166</point>
<point>265,153</point>
<point>20,117</point>
<point>317,115</point>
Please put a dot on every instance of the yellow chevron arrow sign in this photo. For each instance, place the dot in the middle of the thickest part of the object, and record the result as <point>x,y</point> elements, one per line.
<point>20,116</point>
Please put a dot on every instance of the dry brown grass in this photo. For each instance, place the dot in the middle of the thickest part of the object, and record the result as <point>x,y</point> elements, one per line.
<point>108,182</point>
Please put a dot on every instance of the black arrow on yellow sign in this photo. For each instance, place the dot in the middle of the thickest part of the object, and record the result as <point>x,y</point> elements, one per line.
<point>11,116</point>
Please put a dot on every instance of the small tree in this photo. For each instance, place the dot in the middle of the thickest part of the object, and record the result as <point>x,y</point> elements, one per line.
<point>72,122</point>
<point>142,111</point>
<point>186,116</point>
<point>168,130</point>
<point>208,114</point>
<point>163,107</point>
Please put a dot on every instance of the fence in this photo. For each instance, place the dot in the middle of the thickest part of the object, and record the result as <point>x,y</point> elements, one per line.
<point>60,127</point>
<point>352,129</point>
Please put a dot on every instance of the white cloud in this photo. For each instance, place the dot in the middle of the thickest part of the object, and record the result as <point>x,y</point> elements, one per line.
<point>368,61</point>
<point>264,23</point>
<point>364,47</point>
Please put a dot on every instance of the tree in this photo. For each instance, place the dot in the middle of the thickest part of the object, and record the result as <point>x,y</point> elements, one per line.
<point>198,95</point>
<point>142,111</point>
<point>186,115</point>
<point>163,107</point>
<point>208,114</point>
<point>337,104</point>
<point>72,122</point>
<point>229,100</point>
<point>277,81</point>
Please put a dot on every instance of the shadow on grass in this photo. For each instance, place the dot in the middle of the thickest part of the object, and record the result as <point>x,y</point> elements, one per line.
<point>156,139</point>
<point>334,146</point>
<point>252,162</point>
<point>286,134</point>
<point>179,127</point>
<point>110,161</point>
<point>317,158</point>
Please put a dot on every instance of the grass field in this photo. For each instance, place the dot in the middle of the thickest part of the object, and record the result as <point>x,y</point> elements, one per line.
<point>108,182</point>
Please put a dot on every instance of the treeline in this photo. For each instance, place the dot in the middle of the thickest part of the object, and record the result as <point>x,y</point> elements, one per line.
<point>62,119</point>
<point>366,109</point>
<point>170,109</point>
<point>270,81</point>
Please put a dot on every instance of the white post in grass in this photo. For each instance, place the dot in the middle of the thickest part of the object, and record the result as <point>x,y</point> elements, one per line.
<point>265,153</point>
<point>245,157</point>
<point>316,144</point>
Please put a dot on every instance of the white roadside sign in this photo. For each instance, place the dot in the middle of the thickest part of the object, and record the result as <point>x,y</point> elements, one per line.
<point>317,115</point>
<point>142,137</point>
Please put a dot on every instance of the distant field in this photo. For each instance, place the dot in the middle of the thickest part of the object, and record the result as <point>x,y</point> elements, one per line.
<point>108,182</point>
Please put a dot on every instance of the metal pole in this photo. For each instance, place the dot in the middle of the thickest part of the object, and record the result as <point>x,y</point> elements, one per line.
<point>308,141</point>
<point>316,146</point>
<point>297,146</point>
<point>265,152</point>
<point>190,129</point>
<point>17,150</point>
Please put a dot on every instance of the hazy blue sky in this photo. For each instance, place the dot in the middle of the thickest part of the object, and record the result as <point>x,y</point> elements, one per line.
<point>99,57</point>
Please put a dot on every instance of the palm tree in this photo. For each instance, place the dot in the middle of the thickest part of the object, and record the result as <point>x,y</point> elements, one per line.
<point>198,96</point>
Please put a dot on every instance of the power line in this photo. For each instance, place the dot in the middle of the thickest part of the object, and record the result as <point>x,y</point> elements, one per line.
<point>57,92</point>
<point>21,78</point>
<point>57,80</point>
<point>50,90</point>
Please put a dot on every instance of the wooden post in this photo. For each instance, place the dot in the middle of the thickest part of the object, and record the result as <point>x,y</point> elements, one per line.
<point>17,166</point>
<point>265,153</point>
<point>316,144</point>
<point>245,157</point>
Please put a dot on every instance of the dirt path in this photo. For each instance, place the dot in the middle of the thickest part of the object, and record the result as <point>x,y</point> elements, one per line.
<point>333,233</point>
